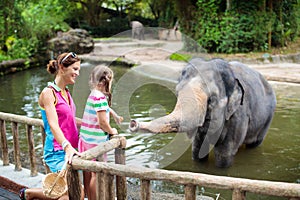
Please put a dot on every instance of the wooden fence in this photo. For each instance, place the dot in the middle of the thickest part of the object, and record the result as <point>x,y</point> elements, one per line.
<point>15,120</point>
<point>108,172</point>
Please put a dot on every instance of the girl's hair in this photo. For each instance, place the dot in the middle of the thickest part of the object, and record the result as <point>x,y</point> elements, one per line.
<point>64,59</point>
<point>104,75</point>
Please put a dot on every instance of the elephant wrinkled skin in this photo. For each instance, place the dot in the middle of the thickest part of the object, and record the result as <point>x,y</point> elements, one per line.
<point>220,103</point>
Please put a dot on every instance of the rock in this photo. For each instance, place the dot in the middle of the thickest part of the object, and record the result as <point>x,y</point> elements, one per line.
<point>11,66</point>
<point>76,40</point>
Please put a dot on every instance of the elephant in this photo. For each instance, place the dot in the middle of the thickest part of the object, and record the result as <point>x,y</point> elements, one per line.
<point>221,104</point>
<point>137,30</point>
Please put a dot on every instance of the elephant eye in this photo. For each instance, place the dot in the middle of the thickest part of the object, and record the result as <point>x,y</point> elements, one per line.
<point>212,101</point>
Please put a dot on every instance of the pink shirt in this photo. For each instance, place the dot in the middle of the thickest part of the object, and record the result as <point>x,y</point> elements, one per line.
<point>66,118</point>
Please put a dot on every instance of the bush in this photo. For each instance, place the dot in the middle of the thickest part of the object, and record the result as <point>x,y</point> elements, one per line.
<point>246,26</point>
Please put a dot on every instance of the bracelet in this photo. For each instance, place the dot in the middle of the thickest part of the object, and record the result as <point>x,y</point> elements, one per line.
<point>64,144</point>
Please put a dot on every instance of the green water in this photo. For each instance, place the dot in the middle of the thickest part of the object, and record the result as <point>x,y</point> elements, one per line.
<point>277,159</point>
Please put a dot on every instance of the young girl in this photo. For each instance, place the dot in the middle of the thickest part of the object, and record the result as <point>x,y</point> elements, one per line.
<point>95,127</point>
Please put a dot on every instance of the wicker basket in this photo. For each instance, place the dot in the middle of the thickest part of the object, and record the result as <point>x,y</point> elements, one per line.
<point>54,185</point>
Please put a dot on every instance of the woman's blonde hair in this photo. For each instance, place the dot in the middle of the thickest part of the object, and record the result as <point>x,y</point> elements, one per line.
<point>102,74</point>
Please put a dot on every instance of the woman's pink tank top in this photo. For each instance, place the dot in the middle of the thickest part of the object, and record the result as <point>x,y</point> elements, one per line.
<point>66,118</point>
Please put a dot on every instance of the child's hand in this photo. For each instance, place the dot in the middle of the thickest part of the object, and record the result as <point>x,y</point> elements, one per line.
<point>118,119</point>
<point>114,131</point>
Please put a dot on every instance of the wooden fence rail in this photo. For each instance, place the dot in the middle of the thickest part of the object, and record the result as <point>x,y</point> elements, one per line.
<point>239,186</point>
<point>108,172</point>
<point>15,120</point>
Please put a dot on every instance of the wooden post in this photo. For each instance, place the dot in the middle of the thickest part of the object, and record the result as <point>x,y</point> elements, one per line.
<point>190,192</point>
<point>100,184</point>
<point>121,184</point>
<point>75,189</point>
<point>120,158</point>
<point>47,169</point>
<point>15,133</point>
<point>238,195</point>
<point>31,151</point>
<point>4,146</point>
<point>110,187</point>
<point>145,189</point>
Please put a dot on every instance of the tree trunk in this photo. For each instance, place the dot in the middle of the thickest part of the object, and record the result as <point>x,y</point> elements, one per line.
<point>228,5</point>
<point>270,6</point>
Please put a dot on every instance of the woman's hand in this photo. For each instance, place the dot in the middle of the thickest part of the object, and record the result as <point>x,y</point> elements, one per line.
<point>70,152</point>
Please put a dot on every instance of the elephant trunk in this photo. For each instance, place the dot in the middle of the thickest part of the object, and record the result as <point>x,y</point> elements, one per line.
<point>189,112</point>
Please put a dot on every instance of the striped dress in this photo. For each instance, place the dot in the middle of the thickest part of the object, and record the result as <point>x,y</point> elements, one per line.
<point>90,131</point>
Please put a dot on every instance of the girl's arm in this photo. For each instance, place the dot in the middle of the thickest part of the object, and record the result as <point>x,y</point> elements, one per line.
<point>118,119</point>
<point>105,126</point>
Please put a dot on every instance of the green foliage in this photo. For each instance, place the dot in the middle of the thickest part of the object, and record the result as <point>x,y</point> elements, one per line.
<point>11,24</point>
<point>44,18</point>
<point>207,28</point>
<point>180,57</point>
<point>244,32</point>
<point>241,26</point>
<point>287,24</point>
<point>245,27</point>
<point>3,57</point>
<point>30,23</point>
<point>24,48</point>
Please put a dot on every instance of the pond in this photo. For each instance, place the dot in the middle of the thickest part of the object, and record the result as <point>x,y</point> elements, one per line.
<point>277,159</point>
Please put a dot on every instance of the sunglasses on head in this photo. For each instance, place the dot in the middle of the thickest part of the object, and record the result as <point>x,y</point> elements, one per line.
<point>69,54</point>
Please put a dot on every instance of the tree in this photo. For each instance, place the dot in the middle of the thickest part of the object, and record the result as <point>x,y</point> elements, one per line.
<point>230,26</point>
<point>11,22</point>
<point>91,9</point>
<point>29,24</point>
<point>163,12</point>
<point>185,10</point>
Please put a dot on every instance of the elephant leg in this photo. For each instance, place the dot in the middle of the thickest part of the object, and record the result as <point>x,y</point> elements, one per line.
<point>226,149</point>
<point>134,33</point>
<point>223,156</point>
<point>143,34</point>
<point>200,148</point>
<point>261,133</point>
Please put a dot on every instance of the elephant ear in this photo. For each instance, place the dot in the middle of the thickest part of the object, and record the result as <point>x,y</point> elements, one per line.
<point>235,99</point>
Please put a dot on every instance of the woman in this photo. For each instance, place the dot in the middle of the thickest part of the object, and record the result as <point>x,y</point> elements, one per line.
<point>58,114</point>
